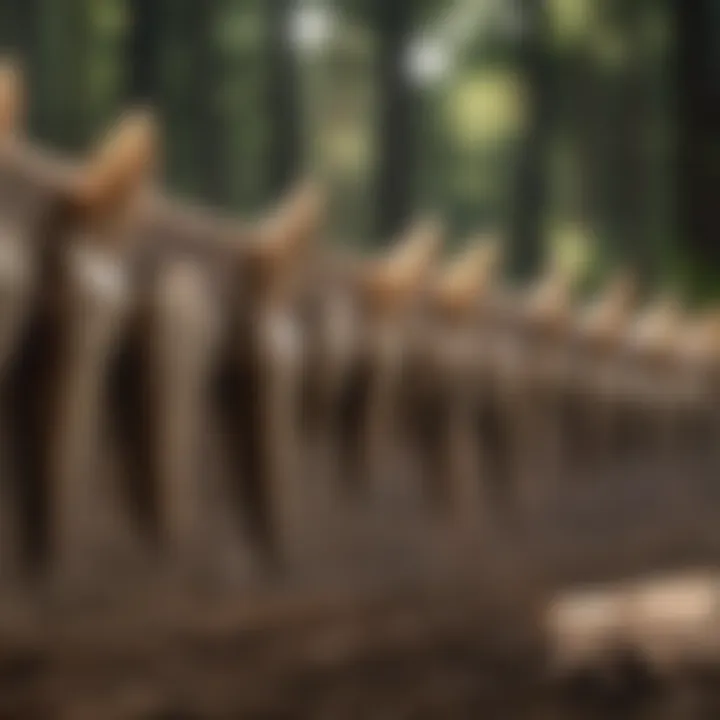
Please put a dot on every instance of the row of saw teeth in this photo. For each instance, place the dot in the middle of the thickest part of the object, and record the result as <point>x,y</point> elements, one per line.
<point>92,254</point>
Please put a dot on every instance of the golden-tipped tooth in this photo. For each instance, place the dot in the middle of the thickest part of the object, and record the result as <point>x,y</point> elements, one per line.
<point>611,311</point>
<point>468,274</point>
<point>659,326</point>
<point>550,300</point>
<point>290,230</point>
<point>407,265</point>
<point>122,161</point>
<point>11,97</point>
<point>413,256</point>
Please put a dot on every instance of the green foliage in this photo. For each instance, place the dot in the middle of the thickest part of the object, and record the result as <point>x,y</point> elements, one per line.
<point>604,168</point>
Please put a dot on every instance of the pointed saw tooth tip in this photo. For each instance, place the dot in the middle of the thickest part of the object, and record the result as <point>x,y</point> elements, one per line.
<point>559,272</point>
<point>293,225</point>
<point>659,326</point>
<point>483,255</point>
<point>612,308</point>
<point>134,139</point>
<point>428,226</point>
<point>600,319</point>
<point>467,274</point>
<point>550,300</point>
<point>306,208</point>
<point>129,148</point>
<point>388,281</point>
<point>556,277</point>
<point>306,197</point>
<point>311,193</point>
<point>121,162</point>
<point>417,249</point>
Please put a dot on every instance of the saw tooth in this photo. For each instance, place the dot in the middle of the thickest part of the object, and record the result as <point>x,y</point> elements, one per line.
<point>270,347</point>
<point>468,276</point>
<point>548,303</point>
<point>94,299</point>
<point>607,315</point>
<point>295,223</point>
<point>281,244</point>
<point>656,327</point>
<point>121,164</point>
<point>391,281</point>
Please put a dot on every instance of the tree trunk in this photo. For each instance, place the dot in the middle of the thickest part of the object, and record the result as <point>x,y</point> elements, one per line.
<point>283,144</point>
<point>19,38</point>
<point>397,119</point>
<point>526,247</point>
<point>209,134</point>
<point>698,28</point>
<point>143,50</point>
<point>636,122</point>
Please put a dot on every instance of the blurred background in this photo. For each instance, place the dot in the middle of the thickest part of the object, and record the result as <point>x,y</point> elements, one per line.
<point>581,129</point>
